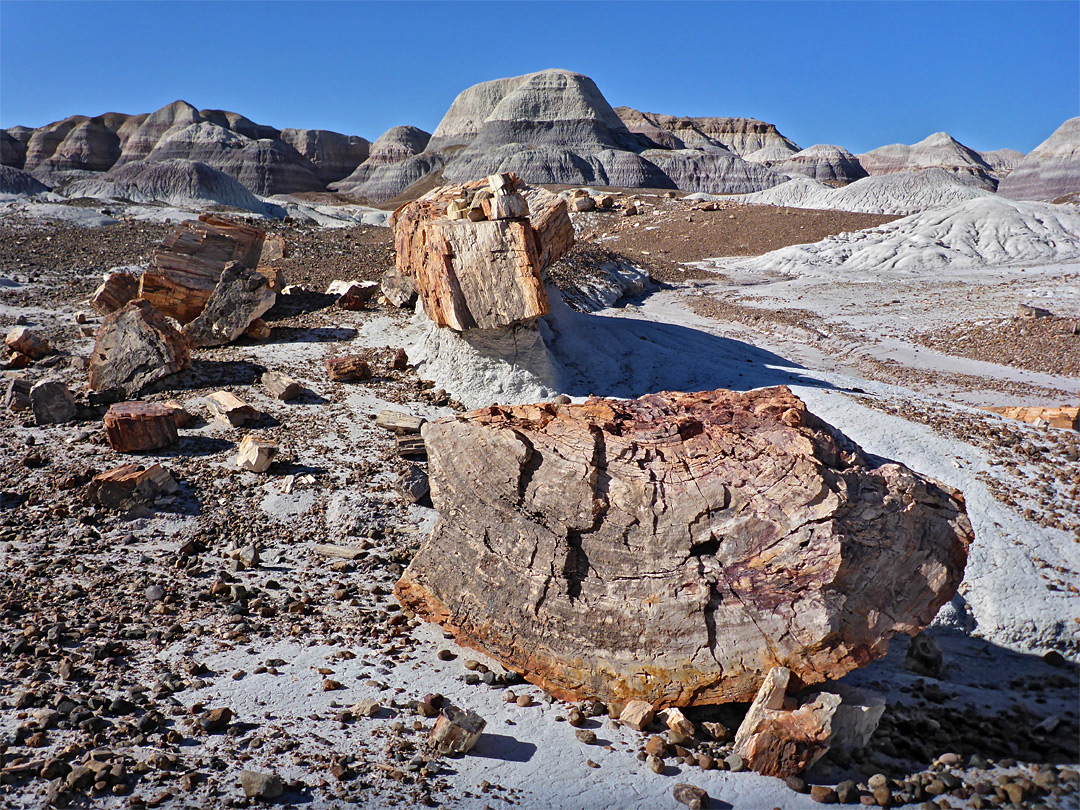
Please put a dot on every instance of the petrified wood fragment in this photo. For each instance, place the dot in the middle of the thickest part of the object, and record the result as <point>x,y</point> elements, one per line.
<point>134,346</point>
<point>241,296</point>
<point>480,274</point>
<point>117,289</point>
<point>126,486</point>
<point>676,547</point>
<point>229,409</point>
<point>349,368</point>
<point>132,427</point>
<point>185,269</point>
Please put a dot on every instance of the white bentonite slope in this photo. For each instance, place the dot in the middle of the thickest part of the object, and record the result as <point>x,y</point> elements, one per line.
<point>986,230</point>
<point>897,193</point>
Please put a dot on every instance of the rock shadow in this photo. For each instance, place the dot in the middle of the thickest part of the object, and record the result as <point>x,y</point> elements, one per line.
<point>504,747</point>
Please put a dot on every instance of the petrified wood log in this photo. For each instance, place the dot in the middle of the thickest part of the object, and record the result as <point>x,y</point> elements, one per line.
<point>241,296</point>
<point>481,274</point>
<point>676,547</point>
<point>126,486</point>
<point>185,269</point>
<point>27,342</point>
<point>134,346</point>
<point>349,368</point>
<point>131,427</point>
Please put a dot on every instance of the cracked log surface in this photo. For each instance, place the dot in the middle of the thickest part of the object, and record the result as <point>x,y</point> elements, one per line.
<point>676,547</point>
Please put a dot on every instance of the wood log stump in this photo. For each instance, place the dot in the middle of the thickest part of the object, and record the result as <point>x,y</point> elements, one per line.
<point>115,291</point>
<point>132,427</point>
<point>481,274</point>
<point>347,369</point>
<point>676,547</point>
<point>134,346</point>
<point>186,268</point>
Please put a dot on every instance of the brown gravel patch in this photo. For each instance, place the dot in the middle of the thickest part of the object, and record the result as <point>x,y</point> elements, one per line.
<point>1048,345</point>
<point>317,256</point>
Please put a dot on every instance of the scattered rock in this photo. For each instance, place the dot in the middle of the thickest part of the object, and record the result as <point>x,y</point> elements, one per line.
<point>456,730</point>
<point>229,409</point>
<point>52,403</point>
<point>118,288</point>
<point>258,785</point>
<point>637,714</point>
<point>123,487</point>
<point>132,427</point>
<point>27,342</point>
<point>693,797</point>
<point>241,296</point>
<point>255,455</point>
<point>134,346</point>
<point>347,369</point>
<point>923,656</point>
<point>281,386</point>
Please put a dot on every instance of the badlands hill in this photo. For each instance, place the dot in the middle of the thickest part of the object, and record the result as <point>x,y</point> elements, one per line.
<point>1051,170</point>
<point>938,151</point>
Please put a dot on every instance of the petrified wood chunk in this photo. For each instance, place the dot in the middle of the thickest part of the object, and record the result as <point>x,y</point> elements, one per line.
<point>117,289</point>
<point>676,547</point>
<point>255,455</point>
<point>400,291</point>
<point>125,486</point>
<point>134,426</point>
<point>27,342</point>
<point>348,368</point>
<point>241,296</point>
<point>456,730</point>
<point>136,345</point>
<point>1060,417</point>
<point>480,274</point>
<point>281,386</point>
<point>185,269</point>
<point>52,403</point>
<point>778,742</point>
<point>229,409</point>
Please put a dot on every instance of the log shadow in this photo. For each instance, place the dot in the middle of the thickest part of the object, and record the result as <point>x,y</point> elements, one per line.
<point>207,373</point>
<point>194,446</point>
<point>298,303</point>
<point>629,357</point>
<point>504,747</point>
<point>318,334</point>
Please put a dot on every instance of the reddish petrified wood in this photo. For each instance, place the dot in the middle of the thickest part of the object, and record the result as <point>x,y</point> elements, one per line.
<point>676,547</point>
<point>134,426</point>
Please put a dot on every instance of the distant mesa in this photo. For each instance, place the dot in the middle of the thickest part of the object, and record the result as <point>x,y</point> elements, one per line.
<point>743,136</point>
<point>938,151</point>
<point>1051,170</point>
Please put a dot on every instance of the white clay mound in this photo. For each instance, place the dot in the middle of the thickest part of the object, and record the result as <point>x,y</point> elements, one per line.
<point>987,230</point>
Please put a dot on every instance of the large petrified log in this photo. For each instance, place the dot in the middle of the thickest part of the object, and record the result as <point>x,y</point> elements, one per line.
<point>134,346</point>
<point>477,251</point>
<point>187,266</point>
<point>676,547</point>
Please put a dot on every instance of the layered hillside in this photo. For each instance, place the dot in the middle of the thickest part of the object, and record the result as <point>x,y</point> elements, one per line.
<point>1051,170</point>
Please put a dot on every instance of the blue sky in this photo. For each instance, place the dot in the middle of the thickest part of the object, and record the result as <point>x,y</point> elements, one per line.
<point>858,74</point>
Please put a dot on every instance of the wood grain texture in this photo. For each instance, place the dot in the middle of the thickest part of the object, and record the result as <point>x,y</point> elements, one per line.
<point>677,547</point>
<point>134,346</point>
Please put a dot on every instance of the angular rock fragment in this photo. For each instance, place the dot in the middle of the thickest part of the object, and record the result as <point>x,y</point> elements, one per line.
<point>413,484</point>
<point>241,296</point>
<point>27,342</point>
<point>456,730</point>
<point>255,455</point>
<point>258,785</point>
<point>411,447</point>
<point>230,409</point>
<point>638,714</point>
<point>123,487</point>
<point>117,289</point>
<point>347,369</point>
<point>179,413</point>
<point>693,797</point>
<point>399,422</point>
<point>480,274</point>
<point>778,742</point>
<point>281,386</point>
<point>134,346</point>
<point>399,289</point>
<point>131,427</point>
<point>17,395</point>
<point>186,268</point>
<point>52,403</point>
<point>715,535</point>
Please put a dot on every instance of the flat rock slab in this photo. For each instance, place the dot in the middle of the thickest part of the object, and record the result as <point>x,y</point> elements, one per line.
<point>677,547</point>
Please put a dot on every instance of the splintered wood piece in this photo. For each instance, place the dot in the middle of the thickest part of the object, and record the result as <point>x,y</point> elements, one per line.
<point>456,730</point>
<point>125,486</point>
<point>714,535</point>
<point>506,206</point>
<point>230,409</point>
<point>131,427</point>
<point>117,289</point>
<point>338,552</point>
<point>281,386</point>
<point>255,455</point>
<point>135,346</point>
<point>17,396</point>
<point>411,447</point>
<point>187,266</point>
<point>398,421</point>
<point>1060,417</point>
<point>346,369</point>
<point>399,289</point>
<point>777,742</point>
